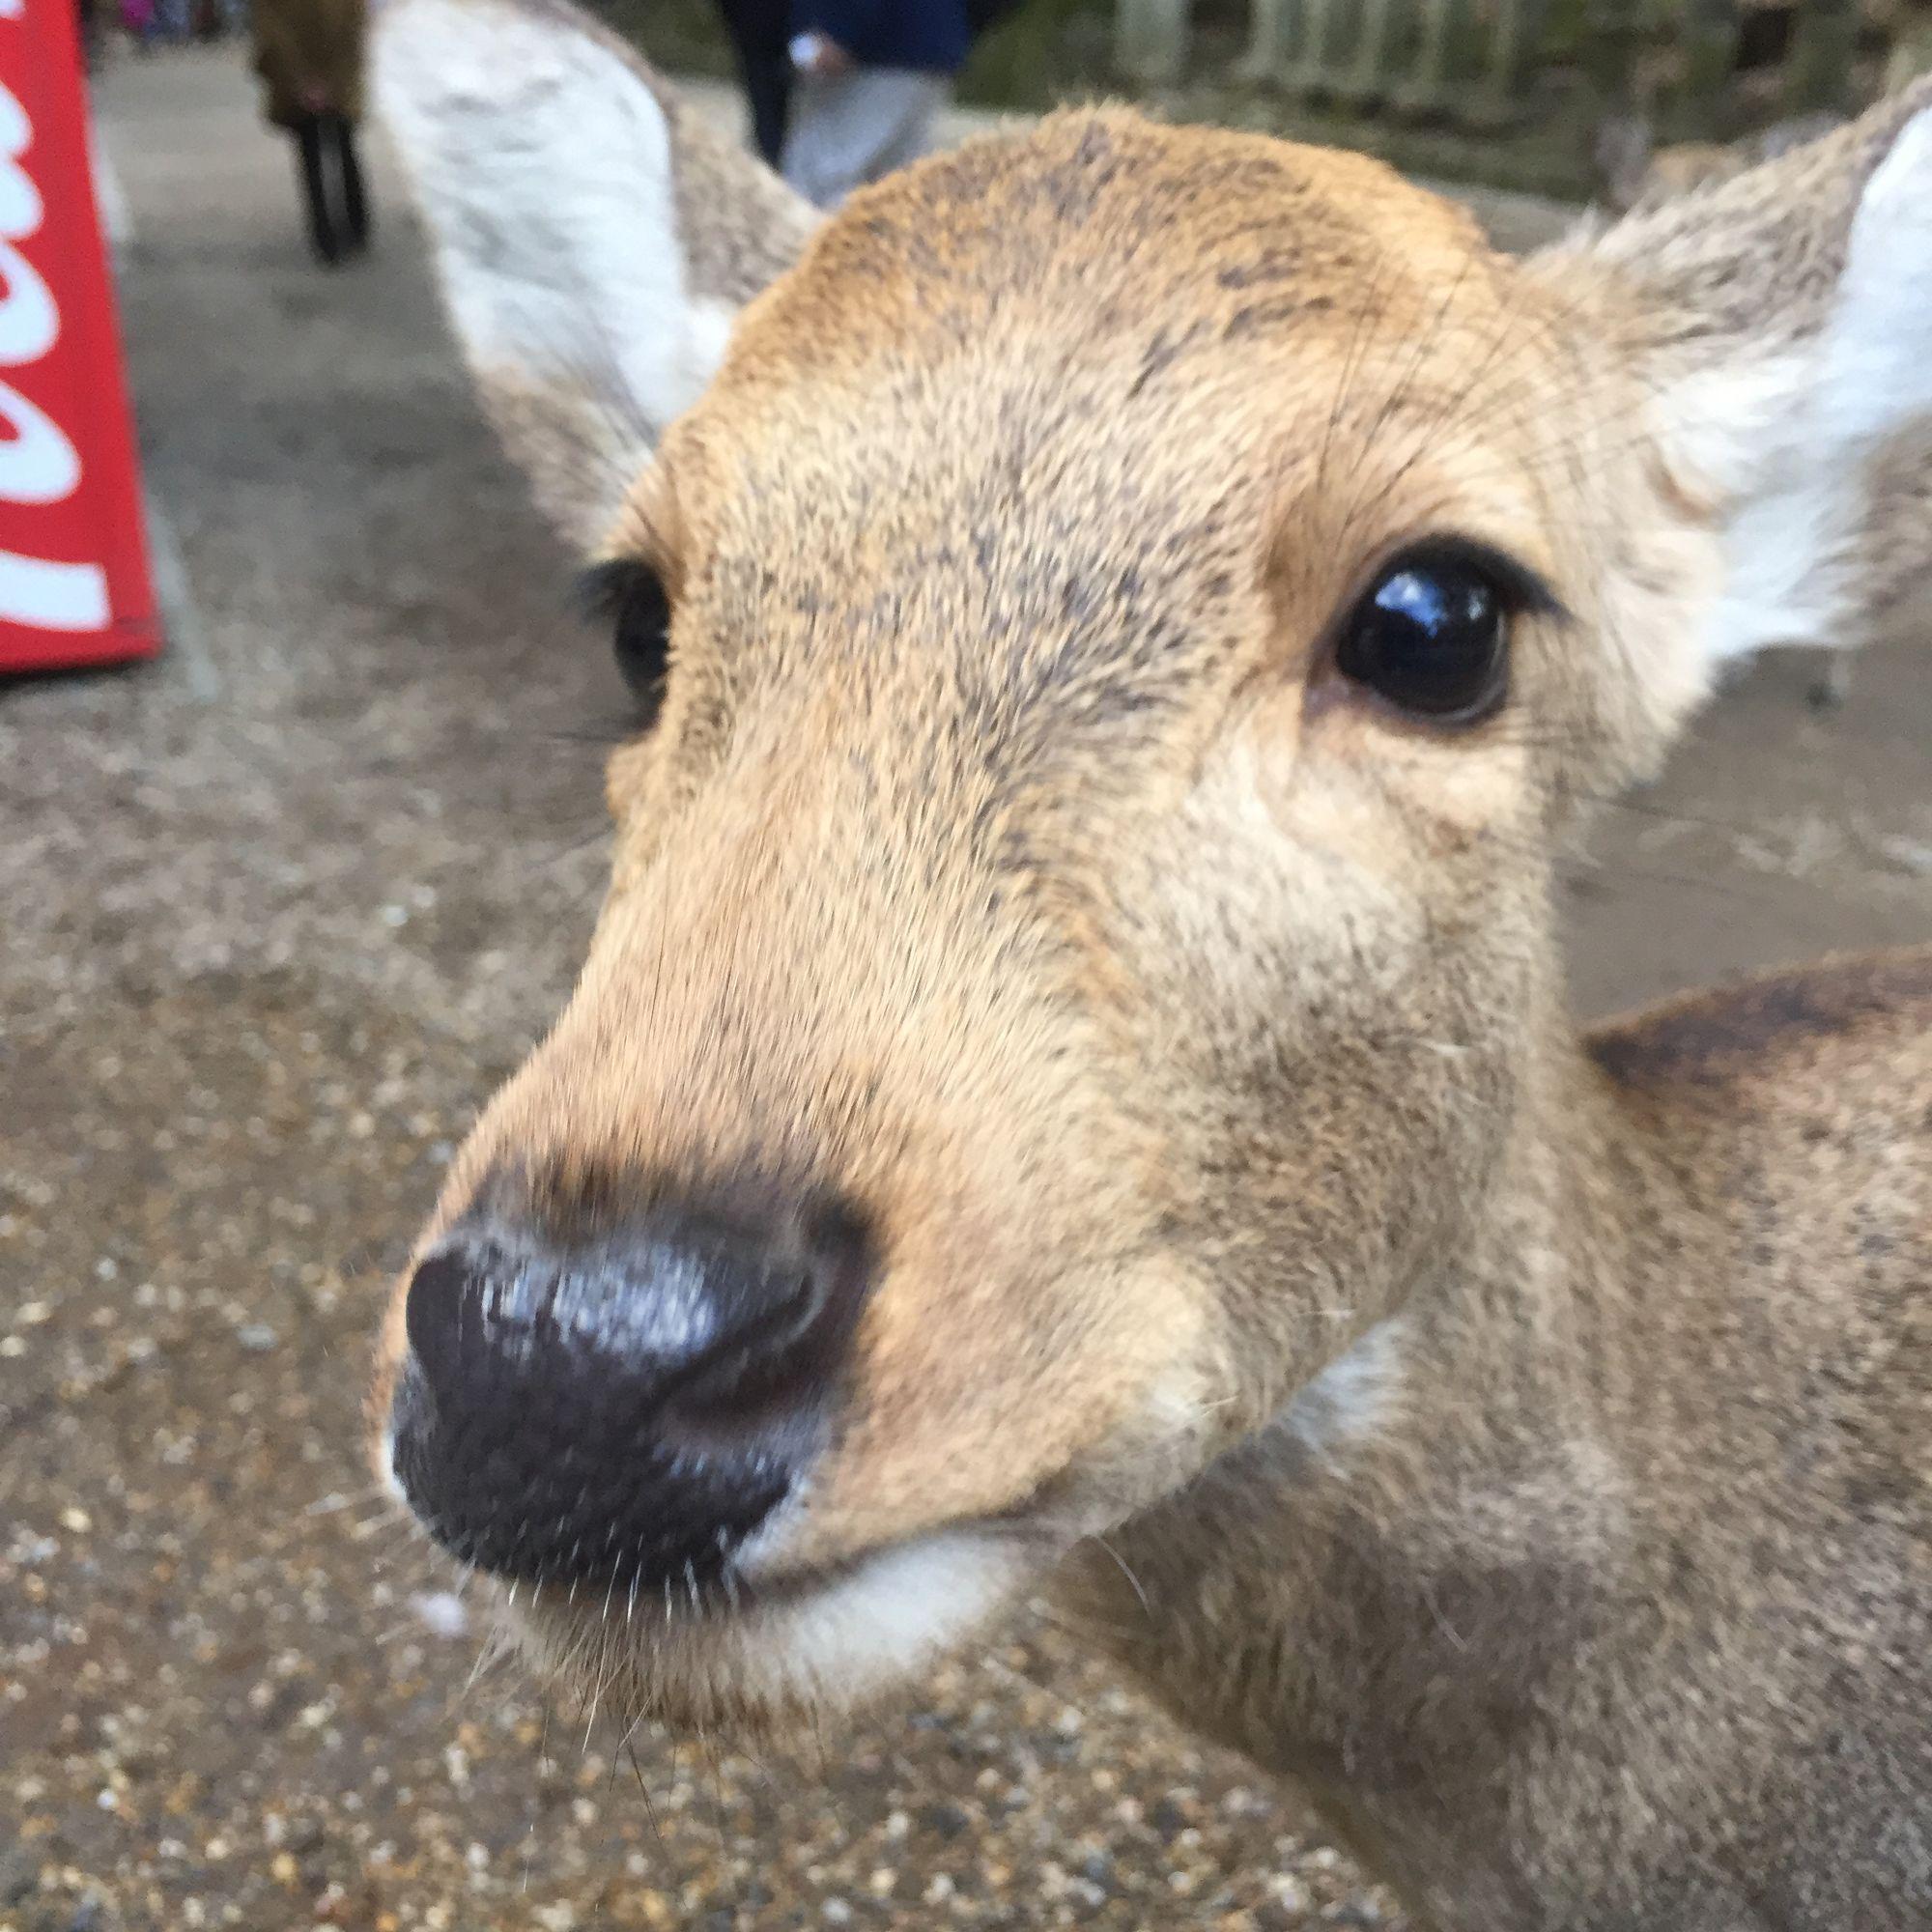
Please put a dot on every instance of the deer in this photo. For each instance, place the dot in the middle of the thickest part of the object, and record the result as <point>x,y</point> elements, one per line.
<point>1070,1089</point>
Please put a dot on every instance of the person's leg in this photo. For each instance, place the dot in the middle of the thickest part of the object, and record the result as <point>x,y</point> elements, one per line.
<point>307,132</point>
<point>814,149</point>
<point>768,84</point>
<point>354,196</point>
<point>857,126</point>
<point>914,102</point>
<point>759,31</point>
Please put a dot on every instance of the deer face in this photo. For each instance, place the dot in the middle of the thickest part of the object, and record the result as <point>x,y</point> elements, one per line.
<point>1137,612</point>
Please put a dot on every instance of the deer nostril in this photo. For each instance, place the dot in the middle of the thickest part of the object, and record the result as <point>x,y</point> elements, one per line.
<point>632,1408</point>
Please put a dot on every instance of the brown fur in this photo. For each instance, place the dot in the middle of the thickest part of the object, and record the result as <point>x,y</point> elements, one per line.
<point>1010,857</point>
<point>1621,1620</point>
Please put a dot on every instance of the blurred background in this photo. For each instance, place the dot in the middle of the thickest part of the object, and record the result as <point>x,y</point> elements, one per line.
<point>279,907</point>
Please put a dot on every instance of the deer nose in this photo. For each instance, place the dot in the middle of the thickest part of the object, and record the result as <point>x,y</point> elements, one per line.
<point>627,1412</point>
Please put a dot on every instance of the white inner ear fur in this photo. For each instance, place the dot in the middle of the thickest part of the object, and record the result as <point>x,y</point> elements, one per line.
<point>545,168</point>
<point>1795,435</point>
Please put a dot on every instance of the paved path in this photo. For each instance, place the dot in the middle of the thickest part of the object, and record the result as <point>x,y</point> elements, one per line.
<point>262,954</point>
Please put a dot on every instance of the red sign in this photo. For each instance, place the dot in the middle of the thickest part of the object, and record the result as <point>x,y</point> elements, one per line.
<point>73,567</point>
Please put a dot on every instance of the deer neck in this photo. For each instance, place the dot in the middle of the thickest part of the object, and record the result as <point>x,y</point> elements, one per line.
<point>1368,1592</point>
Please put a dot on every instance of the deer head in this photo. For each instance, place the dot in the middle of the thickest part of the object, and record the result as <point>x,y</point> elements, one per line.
<point>1129,616</point>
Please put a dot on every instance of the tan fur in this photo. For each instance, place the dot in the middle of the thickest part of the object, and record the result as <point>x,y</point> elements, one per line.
<point>1011,857</point>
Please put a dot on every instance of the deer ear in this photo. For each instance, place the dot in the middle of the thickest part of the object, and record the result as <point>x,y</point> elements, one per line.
<point>1779,326</point>
<point>593,238</point>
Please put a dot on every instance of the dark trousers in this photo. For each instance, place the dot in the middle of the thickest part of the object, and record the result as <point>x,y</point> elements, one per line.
<point>331,179</point>
<point>760,33</point>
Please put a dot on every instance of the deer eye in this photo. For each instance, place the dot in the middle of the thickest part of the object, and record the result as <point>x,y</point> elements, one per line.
<point>626,594</point>
<point>1431,636</point>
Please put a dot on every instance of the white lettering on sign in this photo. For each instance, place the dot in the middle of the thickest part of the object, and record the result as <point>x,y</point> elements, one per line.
<point>29,320</point>
<point>52,596</point>
<point>38,463</point>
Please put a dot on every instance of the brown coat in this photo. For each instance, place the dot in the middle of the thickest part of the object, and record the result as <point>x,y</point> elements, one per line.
<point>310,55</point>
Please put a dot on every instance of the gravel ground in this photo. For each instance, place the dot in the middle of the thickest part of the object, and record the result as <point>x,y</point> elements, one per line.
<point>278,913</point>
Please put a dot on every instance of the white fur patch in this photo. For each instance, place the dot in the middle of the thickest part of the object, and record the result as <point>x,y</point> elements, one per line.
<point>386,1468</point>
<point>1789,543</point>
<point>1354,1395</point>
<point>545,166</point>
<point>886,1618</point>
<point>891,1617</point>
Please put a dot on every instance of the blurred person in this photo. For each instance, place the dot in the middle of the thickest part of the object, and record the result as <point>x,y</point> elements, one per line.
<point>760,32</point>
<point>310,55</point>
<point>872,77</point>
